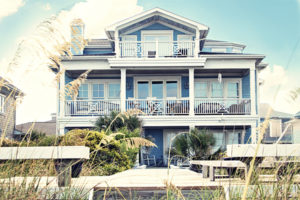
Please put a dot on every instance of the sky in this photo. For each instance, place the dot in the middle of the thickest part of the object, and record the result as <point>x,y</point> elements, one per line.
<point>269,27</point>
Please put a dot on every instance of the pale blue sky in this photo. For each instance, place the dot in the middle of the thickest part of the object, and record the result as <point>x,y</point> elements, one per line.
<point>269,27</point>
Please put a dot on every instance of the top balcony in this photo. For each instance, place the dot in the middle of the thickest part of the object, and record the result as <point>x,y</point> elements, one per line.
<point>156,49</point>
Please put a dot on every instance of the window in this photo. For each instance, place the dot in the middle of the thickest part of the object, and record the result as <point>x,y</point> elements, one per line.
<point>158,89</point>
<point>217,90</point>
<point>206,49</point>
<point>171,88</point>
<point>83,92</point>
<point>143,89</point>
<point>114,90</point>
<point>201,90</point>
<point>98,91</point>
<point>275,127</point>
<point>232,138</point>
<point>2,102</point>
<point>233,89</point>
<point>219,141</point>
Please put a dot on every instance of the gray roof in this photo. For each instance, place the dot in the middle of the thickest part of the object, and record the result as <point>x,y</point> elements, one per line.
<point>264,109</point>
<point>5,84</point>
<point>47,127</point>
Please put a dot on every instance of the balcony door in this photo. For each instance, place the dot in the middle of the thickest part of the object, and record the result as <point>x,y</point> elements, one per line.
<point>157,43</point>
<point>157,89</point>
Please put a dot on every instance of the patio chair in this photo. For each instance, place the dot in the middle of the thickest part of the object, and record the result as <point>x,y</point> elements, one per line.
<point>148,159</point>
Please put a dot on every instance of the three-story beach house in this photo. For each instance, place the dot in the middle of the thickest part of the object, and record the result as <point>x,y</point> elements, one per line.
<point>164,65</point>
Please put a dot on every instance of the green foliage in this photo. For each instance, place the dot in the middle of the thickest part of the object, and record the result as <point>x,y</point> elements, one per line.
<point>105,151</point>
<point>196,144</point>
<point>116,121</point>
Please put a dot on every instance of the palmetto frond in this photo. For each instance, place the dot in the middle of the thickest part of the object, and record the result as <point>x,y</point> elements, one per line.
<point>136,142</point>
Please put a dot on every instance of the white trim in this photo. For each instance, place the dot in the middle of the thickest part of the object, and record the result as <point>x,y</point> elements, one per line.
<point>168,33</point>
<point>180,36</point>
<point>152,12</point>
<point>106,83</point>
<point>225,82</point>
<point>136,79</point>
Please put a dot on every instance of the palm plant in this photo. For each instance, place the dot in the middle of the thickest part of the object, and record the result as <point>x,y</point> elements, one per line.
<point>196,144</point>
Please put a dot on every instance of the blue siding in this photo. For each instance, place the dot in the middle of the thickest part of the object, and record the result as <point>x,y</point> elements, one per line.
<point>246,86</point>
<point>247,138</point>
<point>184,91</point>
<point>68,80</point>
<point>129,87</point>
<point>157,26</point>
<point>157,134</point>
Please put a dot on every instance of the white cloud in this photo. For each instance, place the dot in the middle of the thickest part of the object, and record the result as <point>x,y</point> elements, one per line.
<point>29,68</point>
<point>47,6</point>
<point>276,88</point>
<point>9,7</point>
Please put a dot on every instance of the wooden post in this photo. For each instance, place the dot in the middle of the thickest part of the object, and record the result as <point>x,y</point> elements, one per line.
<point>191,91</point>
<point>64,172</point>
<point>205,171</point>
<point>212,173</point>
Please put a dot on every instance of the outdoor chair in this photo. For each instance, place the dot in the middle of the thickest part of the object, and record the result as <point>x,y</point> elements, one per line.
<point>149,160</point>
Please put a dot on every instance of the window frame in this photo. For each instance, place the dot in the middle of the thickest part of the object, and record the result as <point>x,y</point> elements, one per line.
<point>225,82</point>
<point>106,83</point>
<point>2,103</point>
<point>151,79</point>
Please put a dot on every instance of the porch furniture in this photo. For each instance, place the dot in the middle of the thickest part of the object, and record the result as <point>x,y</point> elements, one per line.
<point>149,159</point>
<point>175,106</point>
<point>209,166</point>
<point>238,108</point>
<point>67,159</point>
<point>154,106</point>
<point>208,108</point>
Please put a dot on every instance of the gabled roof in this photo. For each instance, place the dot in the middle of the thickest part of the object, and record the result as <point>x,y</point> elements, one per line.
<point>264,108</point>
<point>210,42</point>
<point>153,12</point>
<point>5,84</point>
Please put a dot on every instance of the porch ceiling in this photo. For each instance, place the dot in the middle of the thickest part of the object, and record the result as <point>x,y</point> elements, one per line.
<point>162,72</point>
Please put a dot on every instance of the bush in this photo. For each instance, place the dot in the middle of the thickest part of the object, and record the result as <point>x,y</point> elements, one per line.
<point>105,151</point>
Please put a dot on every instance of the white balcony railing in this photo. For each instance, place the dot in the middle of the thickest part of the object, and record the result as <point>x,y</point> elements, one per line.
<point>159,106</point>
<point>156,49</point>
<point>91,107</point>
<point>233,106</point>
<point>148,107</point>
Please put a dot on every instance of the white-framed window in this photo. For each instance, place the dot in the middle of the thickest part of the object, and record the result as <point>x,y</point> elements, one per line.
<point>219,141</point>
<point>2,102</point>
<point>99,89</point>
<point>129,45</point>
<point>164,39</point>
<point>211,88</point>
<point>157,88</point>
<point>275,127</point>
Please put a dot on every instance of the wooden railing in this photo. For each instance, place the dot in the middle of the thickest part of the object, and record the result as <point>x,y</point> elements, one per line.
<point>232,106</point>
<point>156,49</point>
<point>91,107</point>
<point>159,106</point>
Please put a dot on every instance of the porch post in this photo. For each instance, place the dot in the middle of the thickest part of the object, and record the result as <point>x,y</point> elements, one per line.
<point>197,45</point>
<point>123,90</point>
<point>62,93</point>
<point>253,134</point>
<point>252,91</point>
<point>191,90</point>
<point>117,43</point>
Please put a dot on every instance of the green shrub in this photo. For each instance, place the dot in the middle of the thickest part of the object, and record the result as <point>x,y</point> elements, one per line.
<point>105,151</point>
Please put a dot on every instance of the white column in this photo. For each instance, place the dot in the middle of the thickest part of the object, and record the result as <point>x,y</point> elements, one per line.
<point>192,126</point>
<point>197,45</point>
<point>252,91</point>
<point>62,94</point>
<point>117,44</point>
<point>253,134</point>
<point>191,91</point>
<point>123,90</point>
